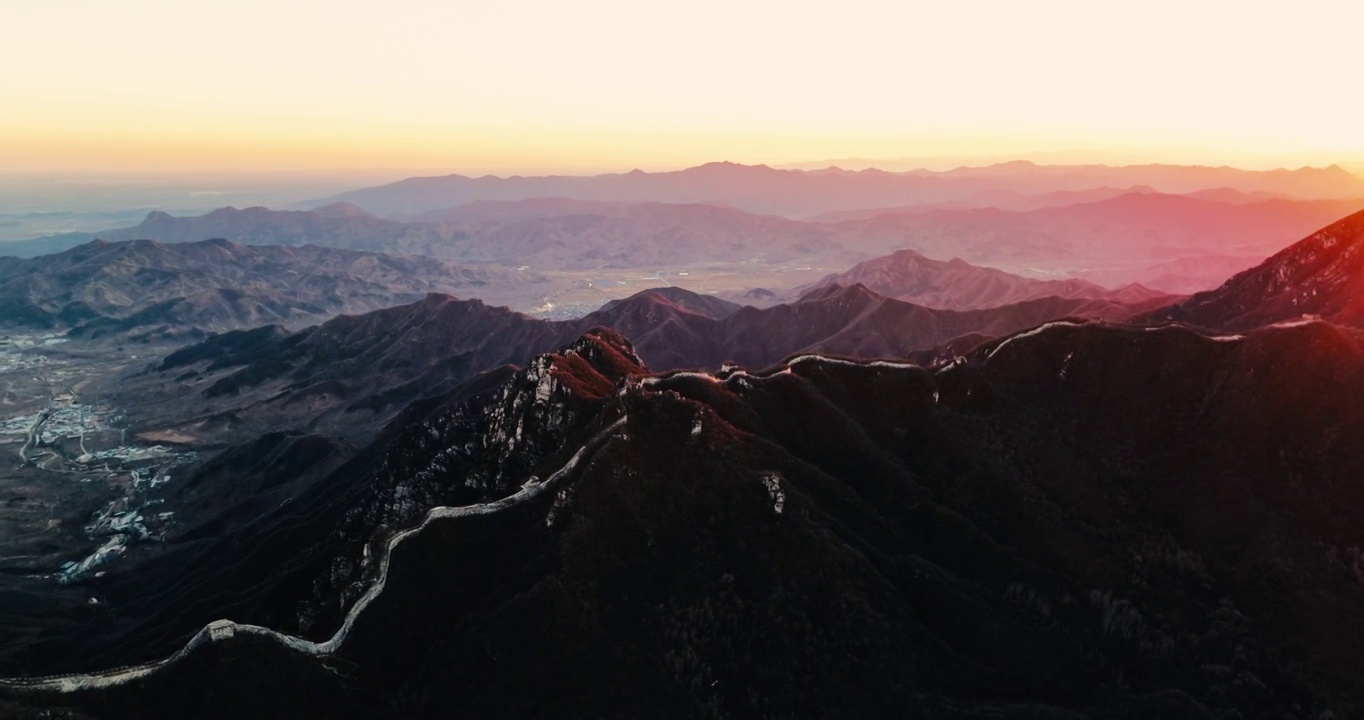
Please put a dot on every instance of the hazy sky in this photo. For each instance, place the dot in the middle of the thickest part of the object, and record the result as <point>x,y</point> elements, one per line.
<point>473,86</point>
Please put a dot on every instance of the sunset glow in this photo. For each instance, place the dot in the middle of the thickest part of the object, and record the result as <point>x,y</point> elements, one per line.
<point>472,87</point>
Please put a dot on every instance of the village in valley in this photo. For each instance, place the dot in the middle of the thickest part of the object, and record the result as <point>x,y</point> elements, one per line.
<point>79,488</point>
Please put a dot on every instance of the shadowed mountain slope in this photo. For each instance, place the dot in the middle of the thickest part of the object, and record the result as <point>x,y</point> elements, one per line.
<point>1080,520</point>
<point>1322,276</point>
<point>350,374</point>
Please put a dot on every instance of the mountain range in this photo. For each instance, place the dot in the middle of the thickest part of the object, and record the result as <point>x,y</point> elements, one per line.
<point>1170,243</point>
<point>1024,202</point>
<point>957,285</point>
<point>552,233</point>
<point>142,286</point>
<point>338,225</point>
<point>1320,277</point>
<point>797,193</point>
<point>1112,242</point>
<point>1080,520</point>
<point>1041,499</point>
<point>544,233</point>
<point>346,377</point>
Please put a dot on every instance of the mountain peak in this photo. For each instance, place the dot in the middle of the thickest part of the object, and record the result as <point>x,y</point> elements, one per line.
<point>726,165</point>
<point>222,243</point>
<point>609,353</point>
<point>673,297</point>
<point>856,292</point>
<point>440,299</point>
<point>341,210</point>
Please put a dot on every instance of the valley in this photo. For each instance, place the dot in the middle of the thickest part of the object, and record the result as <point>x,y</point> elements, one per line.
<point>81,493</point>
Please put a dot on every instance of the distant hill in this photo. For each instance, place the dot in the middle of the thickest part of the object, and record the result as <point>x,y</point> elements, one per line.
<point>649,235</point>
<point>544,233</point>
<point>142,286</point>
<point>1111,242</point>
<point>707,305</point>
<point>1195,273</point>
<point>501,211</point>
<point>797,193</point>
<point>1115,241</point>
<point>1024,202</point>
<point>957,285</point>
<point>999,199</point>
<point>340,225</point>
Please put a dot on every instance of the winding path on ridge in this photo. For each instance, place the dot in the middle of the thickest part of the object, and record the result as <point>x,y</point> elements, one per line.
<point>34,431</point>
<point>219,630</point>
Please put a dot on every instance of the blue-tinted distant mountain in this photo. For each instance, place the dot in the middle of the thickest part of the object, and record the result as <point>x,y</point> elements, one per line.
<point>338,225</point>
<point>544,233</point>
<point>214,285</point>
<point>1115,241</point>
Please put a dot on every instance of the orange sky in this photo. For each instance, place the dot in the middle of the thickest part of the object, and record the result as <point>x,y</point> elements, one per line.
<point>473,86</point>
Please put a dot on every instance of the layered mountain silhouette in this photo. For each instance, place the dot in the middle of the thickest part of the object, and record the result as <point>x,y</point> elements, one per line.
<point>544,233</point>
<point>1002,200</point>
<point>340,225</point>
<point>1321,276</point>
<point>1196,273</point>
<point>1112,242</point>
<point>1023,202</point>
<point>1079,520</point>
<point>1160,240</point>
<point>1301,182</point>
<point>710,306</point>
<point>345,376</point>
<point>563,234</point>
<point>480,212</point>
<point>797,193</point>
<point>141,286</point>
<point>957,285</point>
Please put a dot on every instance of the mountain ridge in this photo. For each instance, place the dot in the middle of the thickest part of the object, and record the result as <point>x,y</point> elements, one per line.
<point>138,286</point>
<point>345,375</point>
<point>1321,276</point>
